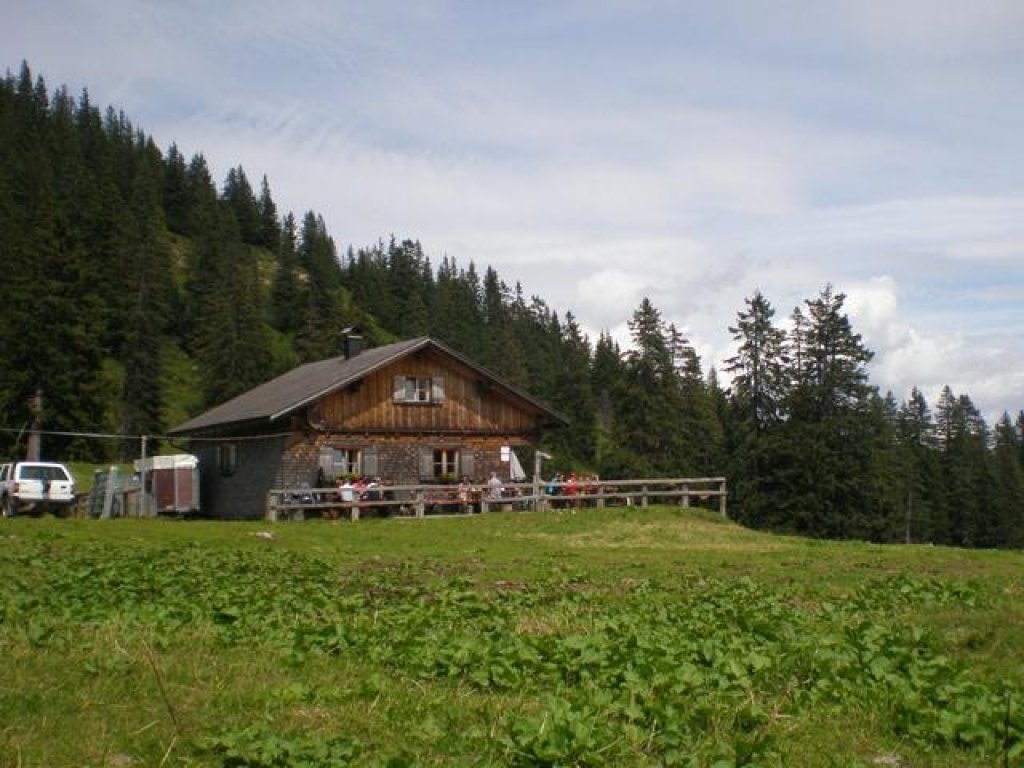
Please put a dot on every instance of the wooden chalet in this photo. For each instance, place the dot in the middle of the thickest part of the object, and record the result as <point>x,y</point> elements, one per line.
<point>411,412</point>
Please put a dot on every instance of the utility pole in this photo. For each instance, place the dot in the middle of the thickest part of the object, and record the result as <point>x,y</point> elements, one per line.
<point>33,449</point>
<point>143,505</point>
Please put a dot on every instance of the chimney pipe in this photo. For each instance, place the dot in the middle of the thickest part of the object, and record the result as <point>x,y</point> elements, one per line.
<point>351,343</point>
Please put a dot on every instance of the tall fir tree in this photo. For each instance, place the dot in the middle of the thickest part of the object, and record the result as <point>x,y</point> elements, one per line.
<point>176,197</point>
<point>962,439</point>
<point>825,444</point>
<point>917,464</point>
<point>607,379</point>
<point>269,223</point>
<point>287,291</point>
<point>231,341</point>
<point>241,199</point>
<point>1008,490</point>
<point>573,396</point>
<point>759,387</point>
<point>149,291</point>
<point>327,311</point>
<point>648,404</point>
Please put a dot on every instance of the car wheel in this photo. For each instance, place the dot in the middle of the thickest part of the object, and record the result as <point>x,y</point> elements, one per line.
<point>8,507</point>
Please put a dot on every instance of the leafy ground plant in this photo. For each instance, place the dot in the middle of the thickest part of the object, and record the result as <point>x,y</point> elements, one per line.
<point>611,638</point>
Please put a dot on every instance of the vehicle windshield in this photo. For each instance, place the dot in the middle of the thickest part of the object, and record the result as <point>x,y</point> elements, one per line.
<point>44,473</point>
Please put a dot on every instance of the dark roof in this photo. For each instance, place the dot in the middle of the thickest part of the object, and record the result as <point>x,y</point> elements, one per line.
<point>268,402</point>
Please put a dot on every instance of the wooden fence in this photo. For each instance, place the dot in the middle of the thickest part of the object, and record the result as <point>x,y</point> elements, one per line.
<point>431,500</point>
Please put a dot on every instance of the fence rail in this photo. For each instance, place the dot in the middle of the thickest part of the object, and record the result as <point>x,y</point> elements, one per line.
<point>431,500</point>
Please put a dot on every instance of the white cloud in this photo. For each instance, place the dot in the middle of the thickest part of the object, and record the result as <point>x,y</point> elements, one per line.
<point>872,308</point>
<point>937,29</point>
<point>601,153</point>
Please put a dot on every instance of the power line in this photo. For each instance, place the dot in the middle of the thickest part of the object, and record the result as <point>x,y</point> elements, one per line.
<point>169,438</point>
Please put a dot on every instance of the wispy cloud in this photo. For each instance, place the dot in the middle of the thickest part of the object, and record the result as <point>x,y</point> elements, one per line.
<point>602,152</point>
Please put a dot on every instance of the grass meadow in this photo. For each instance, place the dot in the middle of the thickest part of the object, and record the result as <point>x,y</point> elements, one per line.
<point>618,637</point>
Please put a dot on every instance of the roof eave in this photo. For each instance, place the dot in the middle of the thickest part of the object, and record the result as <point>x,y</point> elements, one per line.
<point>220,428</point>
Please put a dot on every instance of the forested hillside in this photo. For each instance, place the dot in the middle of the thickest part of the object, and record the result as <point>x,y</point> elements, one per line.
<point>135,292</point>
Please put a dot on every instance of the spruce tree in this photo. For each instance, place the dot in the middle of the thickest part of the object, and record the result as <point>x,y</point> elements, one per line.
<point>648,404</point>
<point>176,198</point>
<point>573,396</point>
<point>537,346</point>
<point>824,476</point>
<point>269,224</point>
<point>230,338</point>
<point>696,420</point>
<point>328,308</point>
<point>406,312</point>
<point>287,290</point>
<point>458,318</point>
<point>962,439</point>
<point>240,198</point>
<point>759,366</point>
<point>1008,492</point>
<point>759,387</point>
<point>149,288</point>
<point>917,464</point>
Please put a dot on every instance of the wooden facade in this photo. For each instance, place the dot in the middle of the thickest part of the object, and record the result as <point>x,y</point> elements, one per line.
<point>462,402</point>
<point>413,412</point>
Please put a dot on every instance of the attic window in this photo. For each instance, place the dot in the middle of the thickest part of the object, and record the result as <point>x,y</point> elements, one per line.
<point>419,389</point>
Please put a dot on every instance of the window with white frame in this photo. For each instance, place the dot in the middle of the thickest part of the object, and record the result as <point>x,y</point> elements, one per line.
<point>445,462</point>
<point>346,462</point>
<point>419,389</point>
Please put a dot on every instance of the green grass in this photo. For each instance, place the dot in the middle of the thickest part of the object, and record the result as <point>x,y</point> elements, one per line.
<point>607,637</point>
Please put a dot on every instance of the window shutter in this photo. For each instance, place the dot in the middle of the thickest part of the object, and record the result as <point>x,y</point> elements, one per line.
<point>370,464</point>
<point>437,389</point>
<point>466,463</point>
<point>426,463</point>
<point>327,462</point>
<point>399,388</point>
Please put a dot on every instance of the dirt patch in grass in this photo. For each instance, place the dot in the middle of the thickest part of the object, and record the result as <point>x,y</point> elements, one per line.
<point>685,535</point>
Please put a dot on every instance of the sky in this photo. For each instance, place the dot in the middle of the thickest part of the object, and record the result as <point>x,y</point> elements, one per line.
<point>602,151</point>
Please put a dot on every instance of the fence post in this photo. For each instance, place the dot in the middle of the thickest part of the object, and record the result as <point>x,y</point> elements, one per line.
<point>271,513</point>
<point>722,498</point>
<point>643,496</point>
<point>686,495</point>
<point>418,503</point>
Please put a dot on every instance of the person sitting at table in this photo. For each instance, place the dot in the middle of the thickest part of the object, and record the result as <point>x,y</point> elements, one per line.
<point>494,486</point>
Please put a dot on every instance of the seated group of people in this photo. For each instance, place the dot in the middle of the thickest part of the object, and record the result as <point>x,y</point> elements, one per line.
<point>571,489</point>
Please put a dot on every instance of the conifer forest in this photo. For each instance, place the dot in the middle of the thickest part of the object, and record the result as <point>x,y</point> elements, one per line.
<point>136,291</point>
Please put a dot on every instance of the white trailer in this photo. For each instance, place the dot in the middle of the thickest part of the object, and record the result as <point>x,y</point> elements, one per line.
<point>170,483</point>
